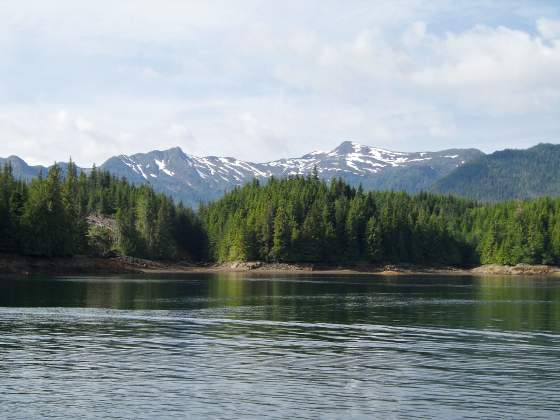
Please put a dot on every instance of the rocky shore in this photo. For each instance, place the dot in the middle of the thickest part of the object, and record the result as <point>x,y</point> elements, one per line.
<point>18,265</point>
<point>516,270</point>
<point>484,270</point>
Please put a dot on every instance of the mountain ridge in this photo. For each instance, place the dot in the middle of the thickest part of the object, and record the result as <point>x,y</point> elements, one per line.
<point>507,174</point>
<point>194,179</point>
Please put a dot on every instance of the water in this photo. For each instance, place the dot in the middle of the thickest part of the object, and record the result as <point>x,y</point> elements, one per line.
<point>240,346</point>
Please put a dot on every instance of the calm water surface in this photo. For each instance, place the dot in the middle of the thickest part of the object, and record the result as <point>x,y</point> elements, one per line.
<point>240,346</point>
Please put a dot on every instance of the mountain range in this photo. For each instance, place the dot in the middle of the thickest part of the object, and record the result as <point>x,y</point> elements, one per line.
<point>466,172</point>
<point>194,179</point>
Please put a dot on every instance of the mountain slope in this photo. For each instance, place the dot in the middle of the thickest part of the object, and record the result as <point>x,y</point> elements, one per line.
<point>194,179</point>
<point>190,179</point>
<point>507,174</point>
<point>21,169</point>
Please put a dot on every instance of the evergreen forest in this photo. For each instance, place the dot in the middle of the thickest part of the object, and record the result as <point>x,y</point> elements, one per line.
<point>299,219</point>
<point>65,214</point>
<point>308,220</point>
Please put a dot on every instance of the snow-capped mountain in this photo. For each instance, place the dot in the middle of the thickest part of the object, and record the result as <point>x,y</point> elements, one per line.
<point>194,179</point>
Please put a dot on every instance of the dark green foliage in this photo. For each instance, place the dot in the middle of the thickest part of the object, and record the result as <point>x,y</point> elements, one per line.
<point>306,220</point>
<point>518,232</point>
<point>48,217</point>
<point>46,222</point>
<point>507,174</point>
<point>11,207</point>
<point>292,220</point>
<point>188,234</point>
<point>129,241</point>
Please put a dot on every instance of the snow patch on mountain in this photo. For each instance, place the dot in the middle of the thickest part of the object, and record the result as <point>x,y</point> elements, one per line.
<point>200,178</point>
<point>162,167</point>
<point>137,168</point>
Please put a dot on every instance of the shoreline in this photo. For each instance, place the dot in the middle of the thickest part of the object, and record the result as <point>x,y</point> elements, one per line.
<point>382,269</point>
<point>83,265</point>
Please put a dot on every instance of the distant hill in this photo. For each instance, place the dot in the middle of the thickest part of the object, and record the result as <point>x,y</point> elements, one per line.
<point>507,174</point>
<point>21,169</point>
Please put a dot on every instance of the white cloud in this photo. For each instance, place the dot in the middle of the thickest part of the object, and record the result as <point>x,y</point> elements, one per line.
<point>499,69</point>
<point>60,119</point>
<point>549,28</point>
<point>260,80</point>
<point>83,125</point>
<point>415,34</point>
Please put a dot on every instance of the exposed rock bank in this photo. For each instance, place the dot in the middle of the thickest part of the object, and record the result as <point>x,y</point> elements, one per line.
<point>259,266</point>
<point>15,264</point>
<point>517,270</point>
<point>485,270</point>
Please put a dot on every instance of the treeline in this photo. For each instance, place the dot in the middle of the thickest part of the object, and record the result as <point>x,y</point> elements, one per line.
<point>515,232</point>
<point>307,220</point>
<point>301,219</point>
<point>51,216</point>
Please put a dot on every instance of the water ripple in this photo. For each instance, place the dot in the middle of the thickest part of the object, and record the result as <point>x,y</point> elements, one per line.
<point>383,355</point>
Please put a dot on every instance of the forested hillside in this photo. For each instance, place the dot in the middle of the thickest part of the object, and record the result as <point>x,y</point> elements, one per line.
<point>507,174</point>
<point>300,219</point>
<point>49,217</point>
<point>308,220</point>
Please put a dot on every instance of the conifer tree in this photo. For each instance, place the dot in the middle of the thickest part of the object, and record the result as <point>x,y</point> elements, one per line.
<point>8,217</point>
<point>44,218</point>
<point>282,236</point>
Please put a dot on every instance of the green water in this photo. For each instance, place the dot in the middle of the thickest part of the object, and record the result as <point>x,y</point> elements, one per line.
<point>241,346</point>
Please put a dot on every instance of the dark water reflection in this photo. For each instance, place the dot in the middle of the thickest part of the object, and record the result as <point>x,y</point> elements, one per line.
<point>231,345</point>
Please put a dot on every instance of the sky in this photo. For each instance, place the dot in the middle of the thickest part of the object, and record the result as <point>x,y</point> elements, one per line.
<point>261,80</point>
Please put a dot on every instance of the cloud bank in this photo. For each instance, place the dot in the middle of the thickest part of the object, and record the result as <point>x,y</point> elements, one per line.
<point>261,80</point>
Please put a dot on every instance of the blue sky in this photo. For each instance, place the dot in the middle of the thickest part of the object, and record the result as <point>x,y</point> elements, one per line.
<point>260,80</point>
